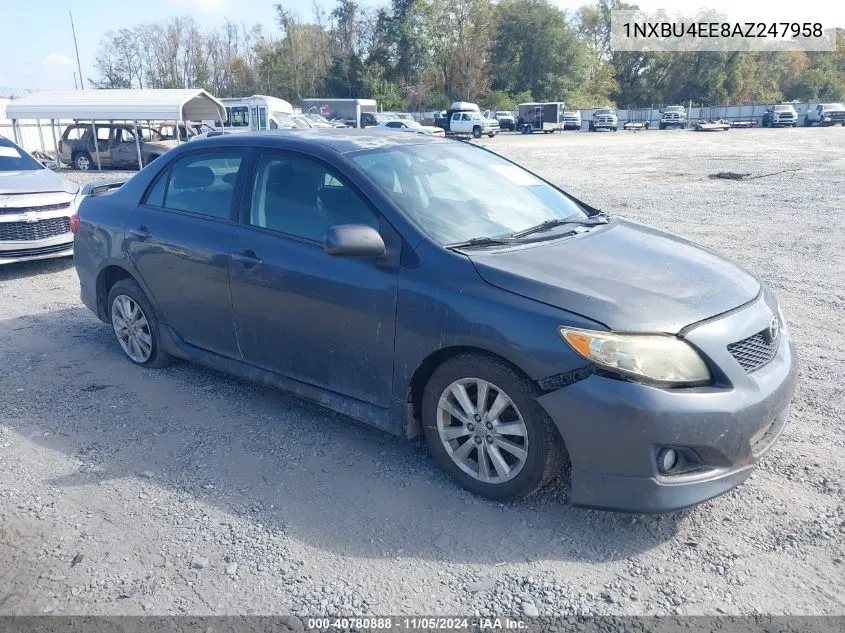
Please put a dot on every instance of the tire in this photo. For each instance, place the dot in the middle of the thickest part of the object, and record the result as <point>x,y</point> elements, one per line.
<point>82,161</point>
<point>591,127</point>
<point>662,126</point>
<point>614,129</point>
<point>807,122</point>
<point>646,125</point>
<point>795,124</point>
<point>491,134</point>
<point>476,132</point>
<point>125,294</point>
<point>520,473</point>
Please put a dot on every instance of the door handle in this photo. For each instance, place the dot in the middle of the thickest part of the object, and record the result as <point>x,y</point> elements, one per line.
<point>141,233</point>
<point>248,258</point>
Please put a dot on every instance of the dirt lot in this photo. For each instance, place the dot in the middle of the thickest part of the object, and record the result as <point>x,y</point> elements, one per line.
<point>126,491</point>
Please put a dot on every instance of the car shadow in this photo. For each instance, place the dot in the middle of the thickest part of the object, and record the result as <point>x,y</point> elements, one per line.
<point>19,270</point>
<point>256,452</point>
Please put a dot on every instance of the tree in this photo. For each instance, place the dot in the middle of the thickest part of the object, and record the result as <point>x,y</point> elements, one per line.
<point>536,50</point>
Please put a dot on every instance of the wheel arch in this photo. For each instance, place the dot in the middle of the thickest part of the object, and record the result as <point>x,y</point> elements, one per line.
<point>107,277</point>
<point>426,368</point>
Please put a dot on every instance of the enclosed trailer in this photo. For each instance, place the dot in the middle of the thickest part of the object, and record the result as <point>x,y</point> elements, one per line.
<point>541,117</point>
<point>354,112</point>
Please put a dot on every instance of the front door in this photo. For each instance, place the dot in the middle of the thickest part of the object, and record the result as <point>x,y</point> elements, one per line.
<point>124,152</point>
<point>322,320</point>
<point>179,240</point>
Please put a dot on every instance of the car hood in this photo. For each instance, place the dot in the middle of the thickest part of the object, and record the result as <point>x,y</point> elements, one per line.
<point>34,181</point>
<point>628,276</point>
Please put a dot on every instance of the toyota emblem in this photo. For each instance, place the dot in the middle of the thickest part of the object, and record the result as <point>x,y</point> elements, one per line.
<point>773,331</point>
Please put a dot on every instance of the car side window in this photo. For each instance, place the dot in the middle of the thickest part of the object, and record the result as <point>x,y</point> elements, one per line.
<point>301,197</point>
<point>200,183</point>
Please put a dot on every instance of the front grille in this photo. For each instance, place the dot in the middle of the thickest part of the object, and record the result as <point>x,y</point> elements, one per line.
<point>754,352</point>
<point>42,207</point>
<point>33,252</point>
<point>29,231</point>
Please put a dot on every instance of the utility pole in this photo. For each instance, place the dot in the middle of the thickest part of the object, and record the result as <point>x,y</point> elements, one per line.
<point>75,46</point>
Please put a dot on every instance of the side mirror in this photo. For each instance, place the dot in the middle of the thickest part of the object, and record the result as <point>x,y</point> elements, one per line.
<point>353,240</point>
<point>51,165</point>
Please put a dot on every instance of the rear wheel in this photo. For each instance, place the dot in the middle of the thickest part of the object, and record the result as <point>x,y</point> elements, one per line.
<point>135,325</point>
<point>82,161</point>
<point>485,428</point>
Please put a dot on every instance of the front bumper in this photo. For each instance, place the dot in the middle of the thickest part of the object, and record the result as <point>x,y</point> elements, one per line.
<point>613,430</point>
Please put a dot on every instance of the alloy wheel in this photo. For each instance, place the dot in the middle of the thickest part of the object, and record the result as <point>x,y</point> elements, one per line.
<point>482,430</point>
<point>131,328</point>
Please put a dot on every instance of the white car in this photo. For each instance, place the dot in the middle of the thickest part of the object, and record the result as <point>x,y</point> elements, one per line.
<point>406,125</point>
<point>571,120</point>
<point>36,208</point>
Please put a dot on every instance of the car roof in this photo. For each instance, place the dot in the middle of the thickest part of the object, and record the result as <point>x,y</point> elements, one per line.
<point>341,140</point>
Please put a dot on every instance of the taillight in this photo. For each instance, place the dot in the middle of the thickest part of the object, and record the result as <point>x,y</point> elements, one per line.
<point>74,223</point>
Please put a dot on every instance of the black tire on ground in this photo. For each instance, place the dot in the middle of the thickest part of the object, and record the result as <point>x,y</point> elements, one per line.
<point>646,125</point>
<point>476,131</point>
<point>662,126</point>
<point>129,287</point>
<point>614,129</point>
<point>491,134</point>
<point>82,161</point>
<point>795,124</point>
<point>591,127</point>
<point>547,456</point>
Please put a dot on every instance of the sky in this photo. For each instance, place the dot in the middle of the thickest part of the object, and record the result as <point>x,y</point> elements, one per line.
<point>36,43</point>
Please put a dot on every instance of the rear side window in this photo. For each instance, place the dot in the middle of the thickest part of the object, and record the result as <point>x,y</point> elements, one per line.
<point>73,133</point>
<point>200,183</point>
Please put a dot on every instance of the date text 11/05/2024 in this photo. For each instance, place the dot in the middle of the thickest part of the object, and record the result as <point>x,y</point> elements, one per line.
<point>417,623</point>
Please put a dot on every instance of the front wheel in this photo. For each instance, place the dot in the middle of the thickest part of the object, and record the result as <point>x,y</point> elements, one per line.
<point>476,132</point>
<point>484,427</point>
<point>135,325</point>
<point>491,134</point>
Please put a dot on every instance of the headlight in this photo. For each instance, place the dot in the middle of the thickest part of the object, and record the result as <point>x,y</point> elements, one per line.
<point>657,357</point>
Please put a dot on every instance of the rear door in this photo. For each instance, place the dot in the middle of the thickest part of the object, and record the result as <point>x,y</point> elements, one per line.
<point>179,240</point>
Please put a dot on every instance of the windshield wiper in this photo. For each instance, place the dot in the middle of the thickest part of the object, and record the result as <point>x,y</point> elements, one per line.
<point>555,222</point>
<point>481,241</point>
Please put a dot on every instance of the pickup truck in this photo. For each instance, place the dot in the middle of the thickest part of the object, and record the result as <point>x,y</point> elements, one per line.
<point>825,114</point>
<point>780,116</point>
<point>673,116</point>
<point>604,119</point>
<point>465,120</point>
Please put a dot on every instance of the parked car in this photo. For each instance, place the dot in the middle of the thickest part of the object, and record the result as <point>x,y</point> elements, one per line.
<point>436,288</point>
<point>371,119</point>
<point>168,130</point>
<point>825,114</point>
<point>604,119</point>
<point>673,116</point>
<point>404,116</point>
<point>572,120</point>
<point>116,146</point>
<point>36,207</point>
<point>323,121</point>
<point>505,119</point>
<point>403,125</point>
<point>780,116</point>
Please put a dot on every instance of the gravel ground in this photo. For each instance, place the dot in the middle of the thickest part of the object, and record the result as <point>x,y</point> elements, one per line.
<point>127,491</point>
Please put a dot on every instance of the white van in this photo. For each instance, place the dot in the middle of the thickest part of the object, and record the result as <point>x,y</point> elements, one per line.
<point>258,112</point>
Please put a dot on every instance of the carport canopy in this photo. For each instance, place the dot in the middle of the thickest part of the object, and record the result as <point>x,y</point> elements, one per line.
<point>118,105</point>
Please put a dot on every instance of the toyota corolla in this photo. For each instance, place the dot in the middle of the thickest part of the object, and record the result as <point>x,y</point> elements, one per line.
<point>429,286</point>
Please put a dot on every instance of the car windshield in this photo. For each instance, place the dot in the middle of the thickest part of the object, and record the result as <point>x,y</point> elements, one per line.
<point>455,192</point>
<point>604,111</point>
<point>500,113</point>
<point>13,158</point>
<point>833,106</point>
<point>675,109</point>
<point>783,108</point>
